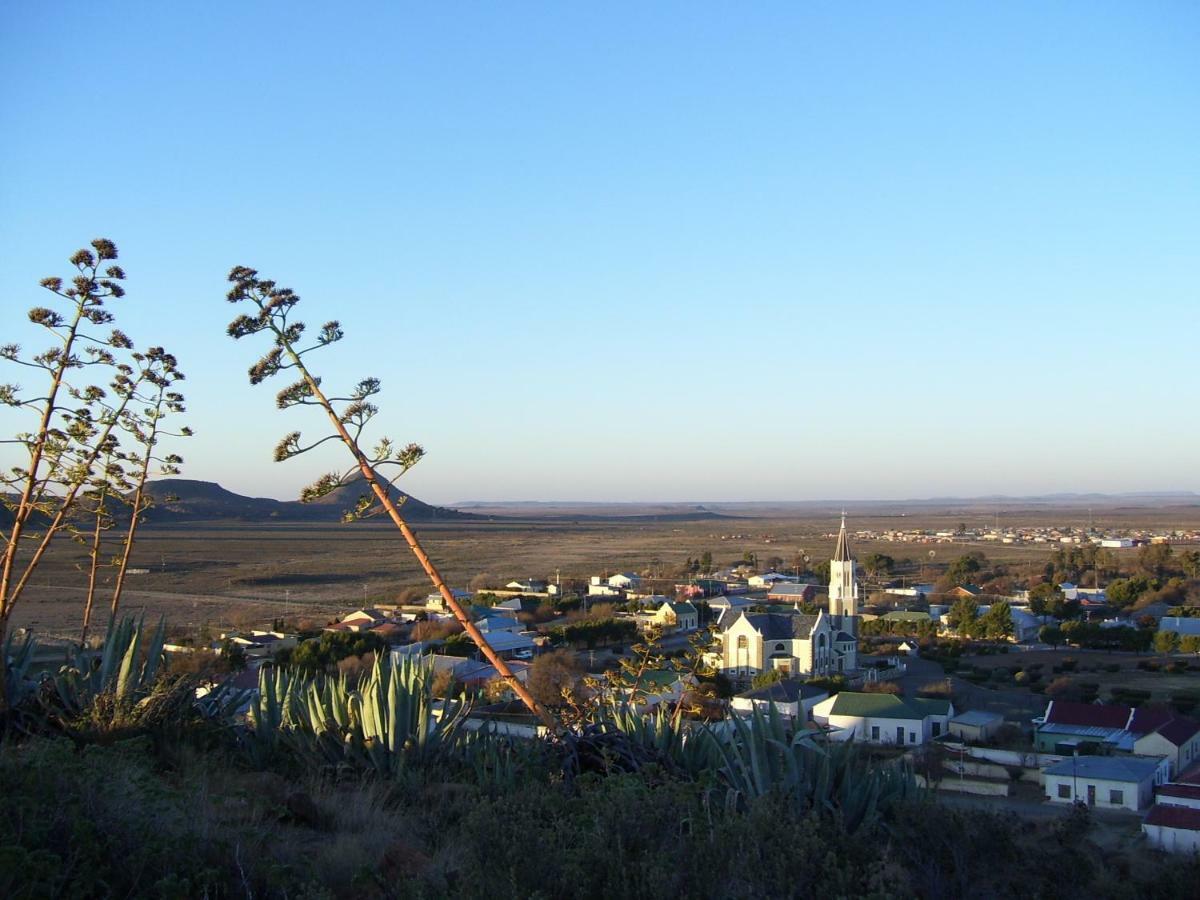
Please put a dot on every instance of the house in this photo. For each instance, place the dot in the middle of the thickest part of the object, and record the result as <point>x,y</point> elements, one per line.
<point>787,592</point>
<point>1178,740</point>
<point>624,581</point>
<point>905,617</point>
<point>976,725</point>
<point>1106,782</point>
<point>1179,625</point>
<point>509,645</point>
<point>883,718</point>
<point>435,602</point>
<point>1175,829</point>
<point>528,585</point>
<point>962,591</point>
<point>658,686</point>
<point>260,644</point>
<point>364,619</point>
<point>514,605</point>
<point>1069,727</point>
<point>767,580</point>
<point>723,604</point>
<point>599,588</point>
<point>676,616</point>
<point>791,698</point>
<point>1026,626</point>
<point>909,648</point>
<point>491,624</point>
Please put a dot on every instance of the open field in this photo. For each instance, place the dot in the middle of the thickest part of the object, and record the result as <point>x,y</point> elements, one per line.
<point>1093,666</point>
<point>221,573</point>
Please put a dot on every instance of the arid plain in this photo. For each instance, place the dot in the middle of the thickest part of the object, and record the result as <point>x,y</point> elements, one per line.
<point>229,572</point>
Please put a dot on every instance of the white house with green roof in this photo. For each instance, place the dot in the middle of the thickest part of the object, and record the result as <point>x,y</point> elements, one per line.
<point>674,616</point>
<point>883,718</point>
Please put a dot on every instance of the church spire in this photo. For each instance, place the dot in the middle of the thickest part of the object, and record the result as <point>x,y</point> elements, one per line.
<point>842,552</point>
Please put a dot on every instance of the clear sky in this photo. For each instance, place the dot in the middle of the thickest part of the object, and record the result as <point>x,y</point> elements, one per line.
<point>645,251</point>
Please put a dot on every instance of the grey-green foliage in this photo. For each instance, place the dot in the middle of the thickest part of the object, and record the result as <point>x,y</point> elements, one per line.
<point>125,667</point>
<point>387,720</point>
<point>760,755</point>
<point>17,659</point>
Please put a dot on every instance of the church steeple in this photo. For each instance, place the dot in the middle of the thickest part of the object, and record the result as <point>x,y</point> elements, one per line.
<point>843,589</point>
<point>841,553</point>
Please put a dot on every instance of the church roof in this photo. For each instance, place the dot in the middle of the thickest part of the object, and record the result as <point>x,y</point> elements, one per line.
<point>842,552</point>
<point>775,627</point>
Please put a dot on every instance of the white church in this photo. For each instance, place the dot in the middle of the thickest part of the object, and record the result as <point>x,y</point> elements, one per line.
<point>799,645</point>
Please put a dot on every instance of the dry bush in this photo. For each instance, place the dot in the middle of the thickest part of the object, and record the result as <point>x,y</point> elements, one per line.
<point>435,629</point>
<point>554,675</point>
<point>354,667</point>
<point>410,596</point>
<point>483,581</point>
<point>881,687</point>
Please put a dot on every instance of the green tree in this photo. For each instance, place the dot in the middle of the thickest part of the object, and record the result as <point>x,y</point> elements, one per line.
<point>878,564</point>
<point>767,678</point>
<point>997,623</point>
<point>1189,561</point>
<point>1166,642</point>
<point>963,617</point>
<point>1189,643</point>
<point>964,569</point>
<point>1051,634</point>
<point>1045,599</point>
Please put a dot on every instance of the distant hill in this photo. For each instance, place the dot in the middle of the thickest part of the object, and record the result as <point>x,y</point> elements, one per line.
<point>208,500</point>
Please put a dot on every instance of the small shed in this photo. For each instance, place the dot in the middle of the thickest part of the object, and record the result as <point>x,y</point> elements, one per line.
<point>976,725</point>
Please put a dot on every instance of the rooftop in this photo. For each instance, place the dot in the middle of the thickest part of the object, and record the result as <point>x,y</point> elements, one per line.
<point>1107,768</point>
<point>787,691</point>
<point>1183,817</point>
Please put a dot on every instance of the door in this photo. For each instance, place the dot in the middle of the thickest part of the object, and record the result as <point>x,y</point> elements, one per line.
<point>899,734</point>
<point>1091,795</point>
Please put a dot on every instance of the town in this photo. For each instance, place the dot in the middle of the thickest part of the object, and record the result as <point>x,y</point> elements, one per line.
<point>1046,696</point>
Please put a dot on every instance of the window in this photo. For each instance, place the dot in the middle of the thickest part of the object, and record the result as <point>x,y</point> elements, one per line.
<point>743,642</point>
<point>780,647</point>
<point>1064,791</point>
<point>874,732</point>
<point>912,737</point>
<point>1116,798</point>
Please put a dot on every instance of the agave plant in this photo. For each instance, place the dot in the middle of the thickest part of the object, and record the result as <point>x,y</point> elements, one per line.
<point>17,660</point>
<point>389,719</point>
<point>758,758</point>
<point>124,668</point>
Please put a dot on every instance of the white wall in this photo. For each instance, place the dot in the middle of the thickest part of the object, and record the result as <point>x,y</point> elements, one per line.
<point>1134,796</point>
<point>1173,840</point>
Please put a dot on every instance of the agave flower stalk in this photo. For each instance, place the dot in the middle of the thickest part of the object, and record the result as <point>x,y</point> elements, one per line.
<point>273,306</point>
<point>111,479</point>
<point>147,429</point>
<point>68,439</point>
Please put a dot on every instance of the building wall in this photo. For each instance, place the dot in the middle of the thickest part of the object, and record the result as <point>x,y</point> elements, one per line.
<point>1133,796</point>
<point>861,728</point>
<point>1173,840</point>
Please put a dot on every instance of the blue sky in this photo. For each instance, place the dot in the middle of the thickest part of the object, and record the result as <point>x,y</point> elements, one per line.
<point>646,251</point>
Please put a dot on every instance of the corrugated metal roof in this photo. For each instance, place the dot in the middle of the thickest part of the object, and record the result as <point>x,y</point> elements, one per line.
<point>1107,768</point>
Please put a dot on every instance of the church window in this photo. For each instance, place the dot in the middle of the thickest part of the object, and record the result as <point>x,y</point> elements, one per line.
<point>780,646</point>
<point>743,642</point>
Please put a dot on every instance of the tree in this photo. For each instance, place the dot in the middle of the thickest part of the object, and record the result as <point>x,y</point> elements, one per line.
<point>766,679</point>
<point>1045,599</point>
<point>964,617</point>
<point>1155,559</point>
<point>1166,642</point>
<point>1189,561</point>
<point>997,623</point>
<point>1051,634</point>
<point>878,564</point>
<point>555,677</point>
<point>1189,643</point>
<point>272,308</point>
<point>963,569</point>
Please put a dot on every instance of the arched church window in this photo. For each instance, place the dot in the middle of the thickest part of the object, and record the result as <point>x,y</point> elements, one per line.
<point>780,646</point>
